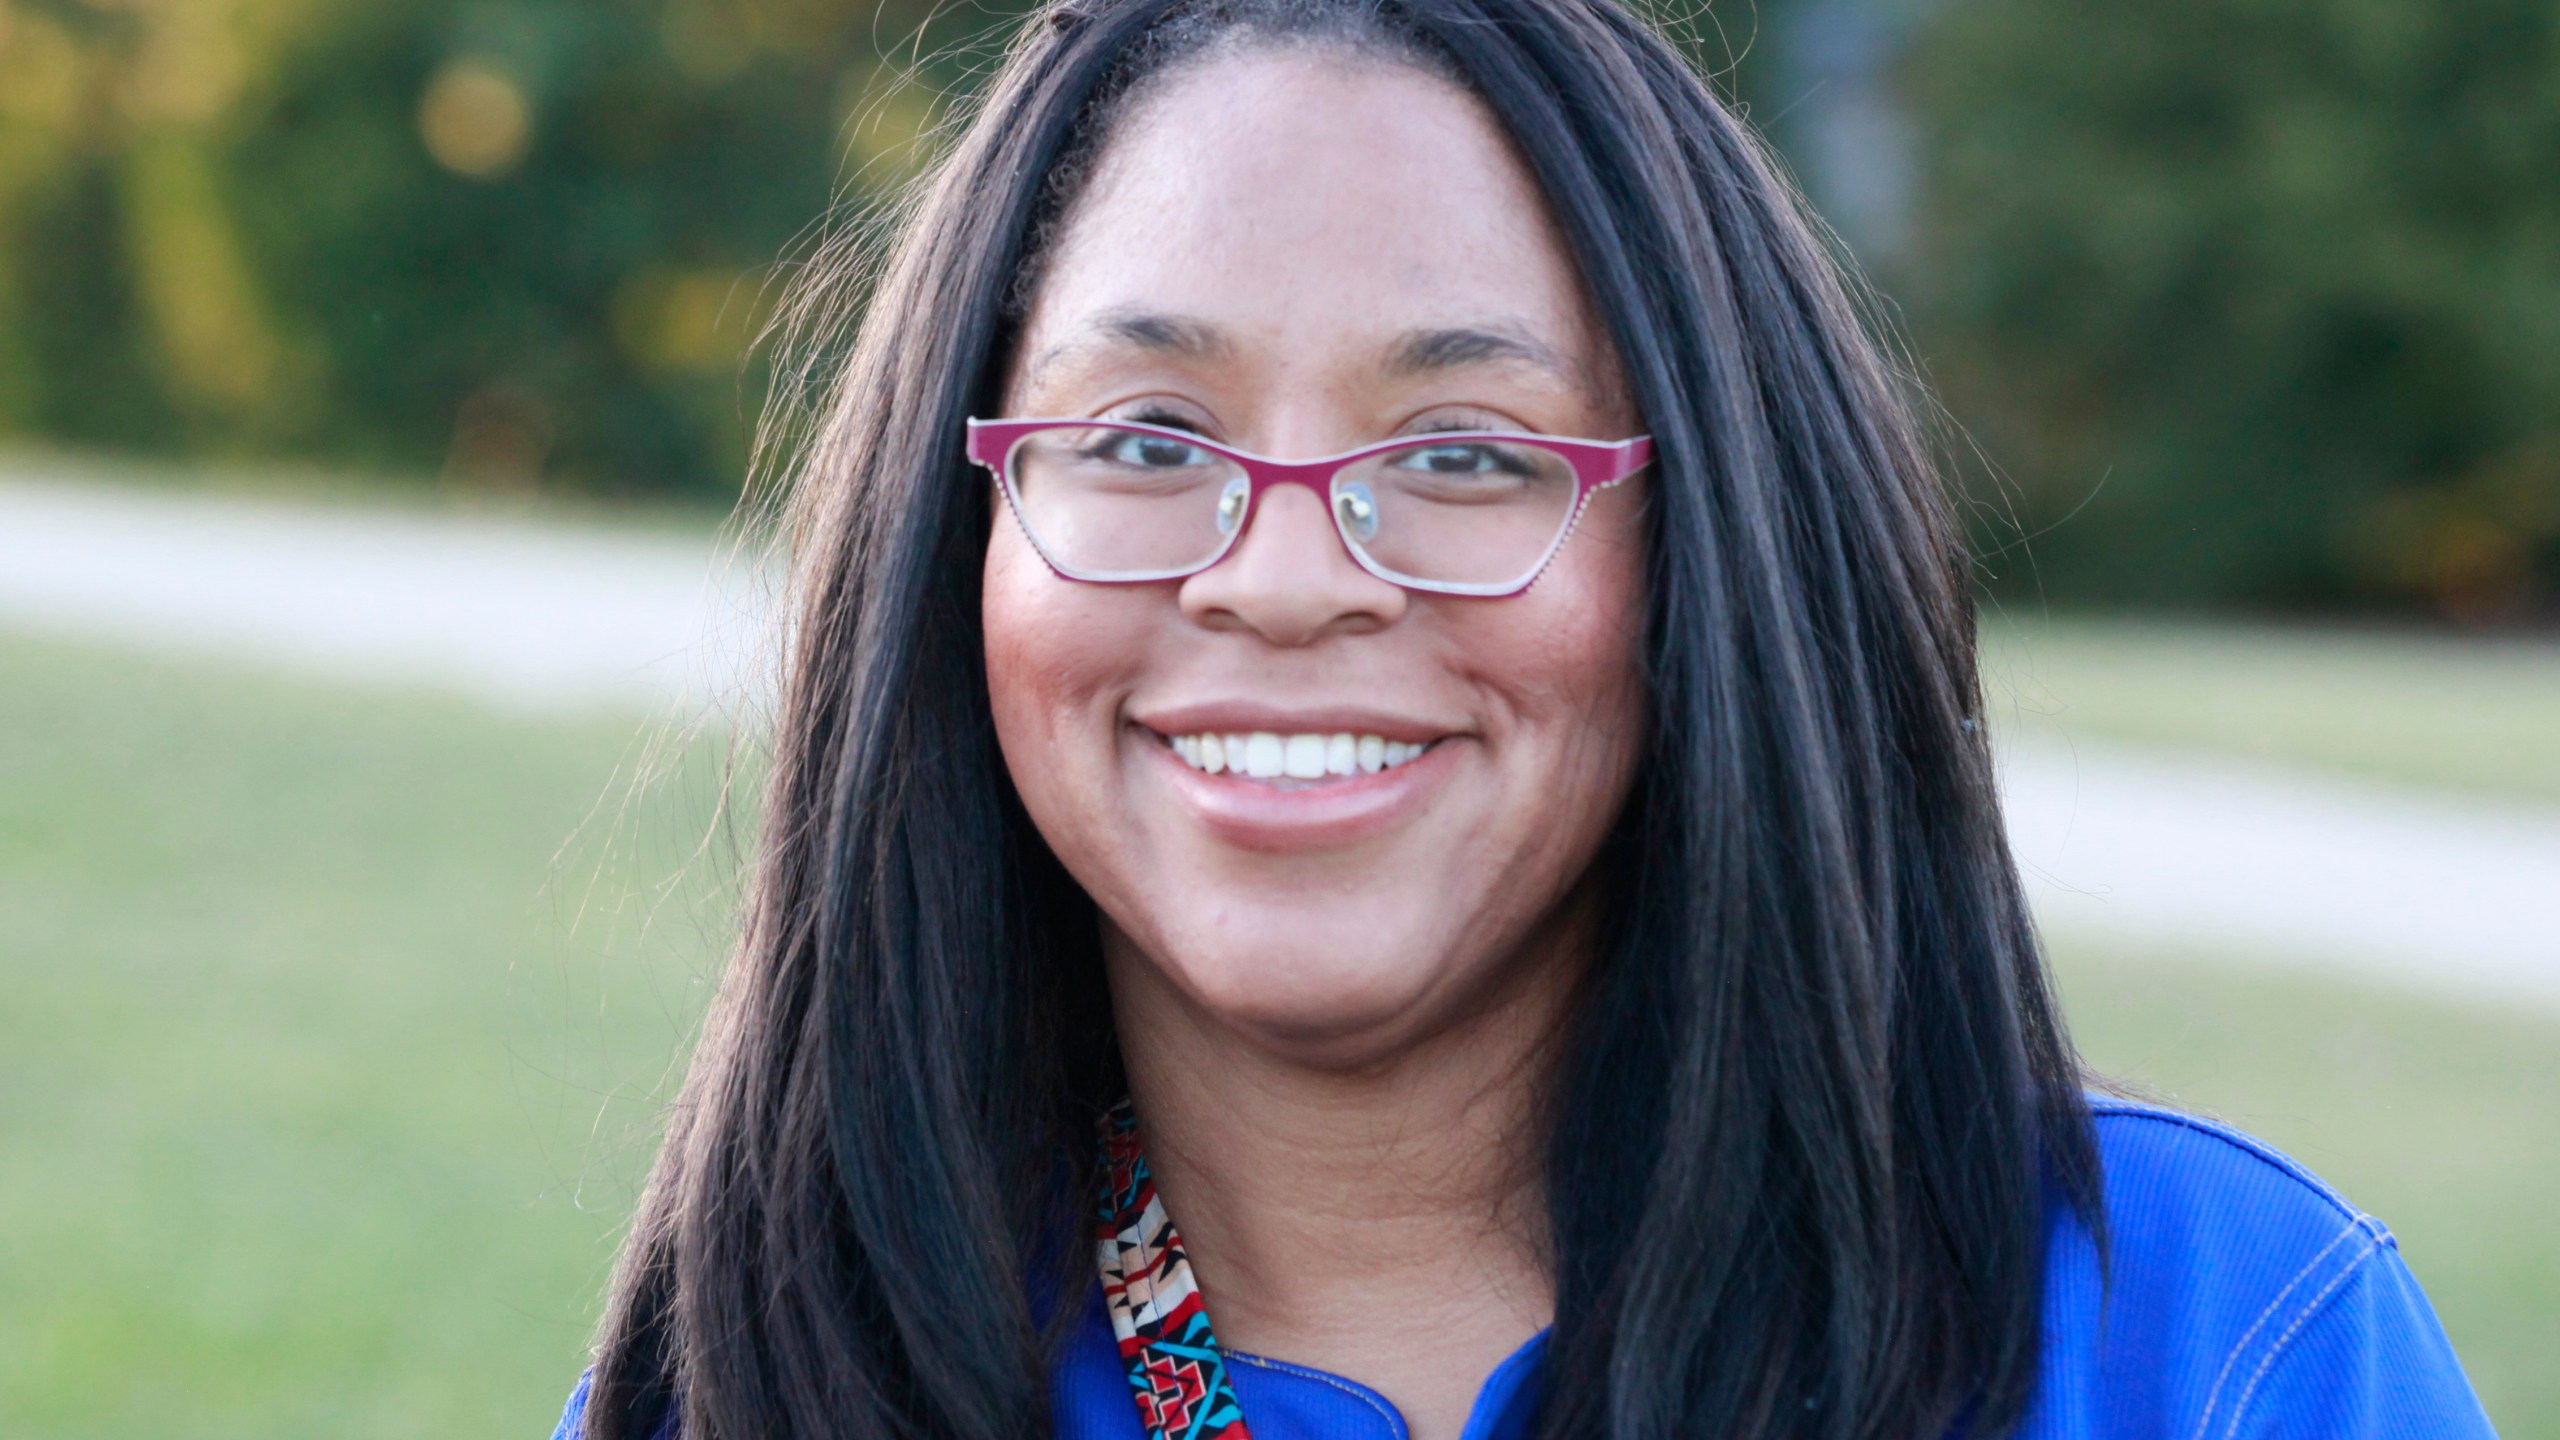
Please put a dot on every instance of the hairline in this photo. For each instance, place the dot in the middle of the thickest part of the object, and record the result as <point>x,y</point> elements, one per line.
<point>1183,43</point>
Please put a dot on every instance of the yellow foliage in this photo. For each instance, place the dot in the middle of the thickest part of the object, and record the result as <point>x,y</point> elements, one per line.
<point>42,73</point>
<point>215,336</point>
<point>475,119</point>
<point>189,66</point>
<point>708,41</point>
<point>712,40</point>
<point>685,320</point>
<point>890,121</point>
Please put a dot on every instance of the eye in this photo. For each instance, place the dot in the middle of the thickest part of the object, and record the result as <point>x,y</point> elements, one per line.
<point>1465,458</point>
<point>1146,452</point>
<point>1161,451</point>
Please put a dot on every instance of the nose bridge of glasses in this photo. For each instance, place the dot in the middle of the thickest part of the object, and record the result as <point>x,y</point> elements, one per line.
<point>1316,475</point>
<point>1265,476</point>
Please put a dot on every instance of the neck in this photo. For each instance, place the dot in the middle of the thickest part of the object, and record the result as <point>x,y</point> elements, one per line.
<point>1382,1219</point>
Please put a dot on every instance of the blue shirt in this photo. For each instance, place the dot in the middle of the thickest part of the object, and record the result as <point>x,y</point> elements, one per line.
<point>2246,1299</point>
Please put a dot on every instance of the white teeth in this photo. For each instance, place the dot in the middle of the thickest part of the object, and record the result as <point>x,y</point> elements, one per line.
<point>1303,757</point>
<point>1265,755</point>
<point>1341,755</point>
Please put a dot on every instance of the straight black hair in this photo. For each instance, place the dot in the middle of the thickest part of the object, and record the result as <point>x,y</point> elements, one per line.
<point>1818,1107</point>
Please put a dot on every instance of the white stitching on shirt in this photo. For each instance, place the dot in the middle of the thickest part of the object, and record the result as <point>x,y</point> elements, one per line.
<point>2213,1397</point>
<point>1395,1422</point>
<point>2346,1272</point>
<point>2105,1108</point>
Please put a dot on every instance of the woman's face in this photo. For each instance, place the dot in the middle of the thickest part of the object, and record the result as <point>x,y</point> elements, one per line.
<point>1299,251</point>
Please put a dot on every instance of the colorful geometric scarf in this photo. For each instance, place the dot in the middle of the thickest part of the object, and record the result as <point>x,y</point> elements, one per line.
<point>1174,1362</point>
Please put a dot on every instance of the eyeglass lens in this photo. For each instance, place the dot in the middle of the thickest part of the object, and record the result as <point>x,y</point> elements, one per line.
<point>1113,503</point>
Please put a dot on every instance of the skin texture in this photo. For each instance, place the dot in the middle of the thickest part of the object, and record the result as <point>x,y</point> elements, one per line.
<point>1335,1011</point>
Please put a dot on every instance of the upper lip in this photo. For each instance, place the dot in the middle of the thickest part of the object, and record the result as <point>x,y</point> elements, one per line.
<point>1243,718</point>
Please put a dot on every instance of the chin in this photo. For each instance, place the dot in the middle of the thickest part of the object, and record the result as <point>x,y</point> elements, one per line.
<point>1329,996</point>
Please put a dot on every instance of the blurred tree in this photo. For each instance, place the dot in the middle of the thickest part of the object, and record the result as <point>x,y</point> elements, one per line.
<point>2281,276</point>
<point>516,242</point>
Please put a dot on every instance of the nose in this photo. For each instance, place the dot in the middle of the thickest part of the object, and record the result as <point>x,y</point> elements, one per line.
<point>1289,579</point>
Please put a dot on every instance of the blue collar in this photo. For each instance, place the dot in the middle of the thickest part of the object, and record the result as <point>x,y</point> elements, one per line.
<point>1281,1401</point>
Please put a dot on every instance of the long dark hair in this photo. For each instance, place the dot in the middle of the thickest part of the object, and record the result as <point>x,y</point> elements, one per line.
<point>1818,1100</point>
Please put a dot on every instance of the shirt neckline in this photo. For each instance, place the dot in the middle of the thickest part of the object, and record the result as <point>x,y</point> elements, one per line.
<point>1503,1408</point>
<point>1159,1324</point>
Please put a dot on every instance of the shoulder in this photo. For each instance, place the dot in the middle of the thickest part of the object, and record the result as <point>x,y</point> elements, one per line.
<point>2180,1180</point>
<point>2237,1295</point>
<point>573,1416</point>
<point>2214,1234</point>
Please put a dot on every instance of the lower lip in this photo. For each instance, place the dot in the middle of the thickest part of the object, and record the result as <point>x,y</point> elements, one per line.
<point>1321,815</point>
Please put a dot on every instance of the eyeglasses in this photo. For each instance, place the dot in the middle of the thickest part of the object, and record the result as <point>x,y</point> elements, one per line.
<point>1461,513</point>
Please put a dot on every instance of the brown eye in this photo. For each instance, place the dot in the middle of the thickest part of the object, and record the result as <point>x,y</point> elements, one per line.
<point>1467,458</point>
<point>1148,452</point>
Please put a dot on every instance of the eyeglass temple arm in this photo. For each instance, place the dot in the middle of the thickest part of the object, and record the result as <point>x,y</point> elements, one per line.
<point>1633,455</point>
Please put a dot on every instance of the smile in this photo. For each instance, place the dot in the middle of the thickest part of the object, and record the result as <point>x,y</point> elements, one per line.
<point>1265,755</point>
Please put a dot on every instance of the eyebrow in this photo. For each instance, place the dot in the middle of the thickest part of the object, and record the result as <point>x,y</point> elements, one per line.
<point>1175,334</point>
<point>1422,351</point>
<point>1148,330</point>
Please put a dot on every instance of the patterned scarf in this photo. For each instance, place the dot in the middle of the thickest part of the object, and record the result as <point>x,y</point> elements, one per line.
<point>1174,1362</point>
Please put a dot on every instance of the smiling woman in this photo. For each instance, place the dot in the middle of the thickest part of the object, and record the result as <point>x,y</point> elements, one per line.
<point>1379,669</point>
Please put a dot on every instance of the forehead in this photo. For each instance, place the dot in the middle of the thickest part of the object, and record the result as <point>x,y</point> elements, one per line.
<point>1308,206</point>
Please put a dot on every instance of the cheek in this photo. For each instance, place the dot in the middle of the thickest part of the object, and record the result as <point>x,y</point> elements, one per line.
<point>1049,664</point>
<point>1568,665</point>
<point>1573,654</point>
<point>1060,658</point>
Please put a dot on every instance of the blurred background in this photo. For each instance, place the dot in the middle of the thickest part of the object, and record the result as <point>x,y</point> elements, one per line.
<point>375,376</point>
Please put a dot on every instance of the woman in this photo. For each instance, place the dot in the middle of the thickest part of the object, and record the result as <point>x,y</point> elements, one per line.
<point>1496,920</point>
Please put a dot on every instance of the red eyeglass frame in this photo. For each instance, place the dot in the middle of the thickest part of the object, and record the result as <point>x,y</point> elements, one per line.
<point>1597,464</point>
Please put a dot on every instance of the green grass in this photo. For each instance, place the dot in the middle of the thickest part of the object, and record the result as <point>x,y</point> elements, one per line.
<point>323,1089</point>
<point>2442,1120</point>
<point>325,1083</point>
<point>2475,714</point>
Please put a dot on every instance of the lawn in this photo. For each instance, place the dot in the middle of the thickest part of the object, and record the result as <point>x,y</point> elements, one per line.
<point>337,1019</point>
<point>325,1072</point>
<point>2474,713</point>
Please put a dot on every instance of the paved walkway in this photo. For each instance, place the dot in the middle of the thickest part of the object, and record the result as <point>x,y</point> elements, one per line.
<point>515,611</point>
<point>2144,849</point>
<point>2124,847</point>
